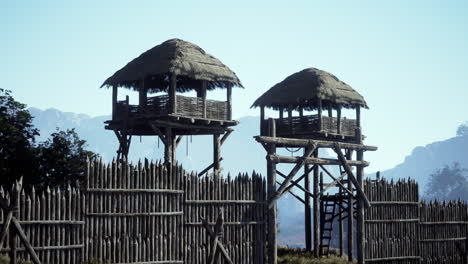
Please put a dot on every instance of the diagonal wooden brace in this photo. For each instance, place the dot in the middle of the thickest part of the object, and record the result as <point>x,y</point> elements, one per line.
<point>208,168</point>
<point>159,132</point>
<point>225,136</point>
<point>348,170</point>
<point>291,175</point>
<point>293,194</point>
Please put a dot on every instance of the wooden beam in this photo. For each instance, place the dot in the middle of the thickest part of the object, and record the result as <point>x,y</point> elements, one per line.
<point>360,227</point>
<point>172,93</point>
<point>319,161</point>
<point>295,183</point>
<point>208,168</point>
<point>293,172</point>
<point>25,241</point>
<point>203,96</point>
<point>178,140</point>
<point>307,205</point>
<point>316,209</point>
<point>333,184</point>
<point>114,101</point>
<point>216,153</point>
<point>229,101</point>
<point>293,194</point>
<point>339,183</point>
<point>290,124</point>
<point>142,94</point>
<point>262,120</point>
<point>358,116</point>
<point>281,110</point>
<point>351,175</point>
<point>158,132</point>
<point>319,110</point>
<point>168,147</point>
<point>226,135</point>
<point>338,120</point>
<point>294,142</point>
<point>5,227</point>
<point>272,234</point>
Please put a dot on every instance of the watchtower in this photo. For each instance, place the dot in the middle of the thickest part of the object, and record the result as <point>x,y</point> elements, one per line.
<point>168,70</point>
<point>304,96</point>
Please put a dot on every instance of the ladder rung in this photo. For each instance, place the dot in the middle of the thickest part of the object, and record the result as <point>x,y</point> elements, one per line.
<point>326,237</point>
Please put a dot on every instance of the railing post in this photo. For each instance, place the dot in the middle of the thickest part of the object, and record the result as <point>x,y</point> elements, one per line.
<point>114,102</point>
<point>172,93</point>
<point>229,102</point>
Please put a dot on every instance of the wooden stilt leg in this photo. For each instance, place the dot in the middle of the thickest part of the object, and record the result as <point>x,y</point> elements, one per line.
<point>168,148</point>
<point>271,182</point>
<point>216,153</point>
<point>307,209</point>
<point>316,208</point>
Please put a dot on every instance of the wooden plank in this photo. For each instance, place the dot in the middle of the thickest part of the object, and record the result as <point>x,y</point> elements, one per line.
<point>25,241</point>
<point>294,142</point>
<point>136,190</point>
<point>314,160</point>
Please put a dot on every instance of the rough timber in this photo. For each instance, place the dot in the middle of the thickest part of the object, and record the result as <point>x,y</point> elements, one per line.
<point>301,93</point>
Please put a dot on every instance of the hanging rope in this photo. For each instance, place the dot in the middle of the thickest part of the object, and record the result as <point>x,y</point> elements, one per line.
<point>292,150</point>
<point>140,139</point>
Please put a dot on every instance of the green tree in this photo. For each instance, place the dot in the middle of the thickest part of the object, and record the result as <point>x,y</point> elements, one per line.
<point>59,160</point>
<point>62,158</point>
<point>17,137</point>
<point>462,130</point>
<point>448,183</point>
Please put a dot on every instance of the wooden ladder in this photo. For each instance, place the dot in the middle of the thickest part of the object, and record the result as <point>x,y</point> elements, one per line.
<point>328,214</point>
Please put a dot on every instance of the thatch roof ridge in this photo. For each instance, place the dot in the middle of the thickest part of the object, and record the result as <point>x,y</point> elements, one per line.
<point>190,62</point>
<point>305,87</point>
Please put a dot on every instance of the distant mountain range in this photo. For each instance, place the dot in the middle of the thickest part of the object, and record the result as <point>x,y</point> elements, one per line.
<point>241,154</point>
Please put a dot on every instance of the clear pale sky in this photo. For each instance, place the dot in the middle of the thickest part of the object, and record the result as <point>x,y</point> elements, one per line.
<point>409,59</point>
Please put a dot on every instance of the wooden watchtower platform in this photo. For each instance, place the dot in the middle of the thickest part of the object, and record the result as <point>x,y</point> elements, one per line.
<point>304,96</point>
<point>160,75</point>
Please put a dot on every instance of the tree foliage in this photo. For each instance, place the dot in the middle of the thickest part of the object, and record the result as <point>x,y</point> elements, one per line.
<point>448,183</point>
<point>462,130</point>
<point>60,159</point>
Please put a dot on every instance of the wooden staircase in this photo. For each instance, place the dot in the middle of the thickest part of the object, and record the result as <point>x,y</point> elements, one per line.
<point>328,207</point>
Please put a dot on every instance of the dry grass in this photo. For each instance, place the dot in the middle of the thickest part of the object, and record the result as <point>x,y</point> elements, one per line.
<point>300,256</point>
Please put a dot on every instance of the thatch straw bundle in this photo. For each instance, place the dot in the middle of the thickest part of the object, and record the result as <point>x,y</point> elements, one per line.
<point>190,62</point>
<point>304,88</point>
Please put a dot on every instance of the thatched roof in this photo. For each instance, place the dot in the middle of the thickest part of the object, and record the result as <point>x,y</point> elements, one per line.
<point>304,88</point>
<point>190,62</point>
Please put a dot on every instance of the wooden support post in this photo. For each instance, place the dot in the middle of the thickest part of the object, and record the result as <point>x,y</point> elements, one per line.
<point>316,208</point>
<point>271,189</point>
<point>290,124</point>
<point>338,120</point>
<point>226,135</point>
<point>281,110</point>
<point>262,120</point>
<point>203,96</point>
<point>301,112</point>
<point>360,205</point>
<point>340,223</point>
<point>229,101</point>
<point>168,147</point>
<point>14,206</point>
<point>172,93</point>
<point>350,216</point>
<point>319,110</point>
<point>358,116</point>
<point>114,102</point>
<point>216,153</point>
<point>142,94</point>
<point>330,110</point>
<point>307,209</point>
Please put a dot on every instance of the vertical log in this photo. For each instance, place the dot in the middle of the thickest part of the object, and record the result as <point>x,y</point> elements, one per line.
<point>307,209</point>
<point>229,101</point>
<point>114,101</point>
<point>172,94</point>
<point>360,204</point>
<point>271,177</point>
<point>358,116</point>
<point>281,110</point>
<point>338,120</point>
<point>262,120</point>
<point>142,93</point>
<point>316,208</point>
<point>290,123</point>
<point>14,200</point>
<point>216,153</point>
<point>319,110</point>
<point>168,148</point>
<point>203,96</point>
<point>350,216</point>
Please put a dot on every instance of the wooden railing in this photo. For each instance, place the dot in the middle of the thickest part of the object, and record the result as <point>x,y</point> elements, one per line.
<point>306,124</point>
<point>186,106</point>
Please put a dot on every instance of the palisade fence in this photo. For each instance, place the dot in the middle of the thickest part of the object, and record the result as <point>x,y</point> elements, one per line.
<point>400,229</point>
<point>143,213</point>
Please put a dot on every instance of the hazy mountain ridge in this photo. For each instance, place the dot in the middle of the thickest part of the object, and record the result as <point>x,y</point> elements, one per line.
<point>241,153</point>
